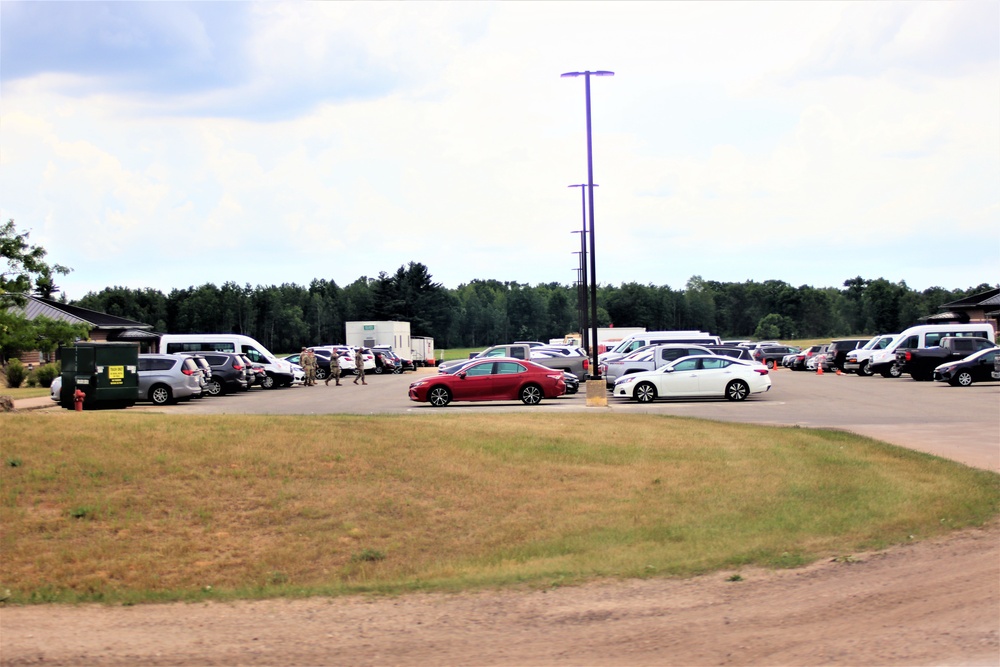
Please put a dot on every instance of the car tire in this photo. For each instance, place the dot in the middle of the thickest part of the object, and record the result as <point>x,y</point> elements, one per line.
<point>864,371</point>
<point>213,387</point>
<point>378,370</point>
<point>320,373</point>
<point>439,397</point>
<point>737,390</point>
<point>895,371</point>
<point>160,394</point>
<point>531,394</point>
<point>963,379</point>
<point>267,382</point>
<point>645,392</point>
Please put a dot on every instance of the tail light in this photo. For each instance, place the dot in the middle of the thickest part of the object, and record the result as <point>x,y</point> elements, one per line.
<point>586,363</point>
<point>187,371</point>
<point>761,371</point>
<point>909,356</point>
<point>237,367</point>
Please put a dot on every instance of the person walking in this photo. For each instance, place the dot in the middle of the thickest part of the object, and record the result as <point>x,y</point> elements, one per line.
<point>334,368</point>
<point>308,359</point>
<point>359,363</point>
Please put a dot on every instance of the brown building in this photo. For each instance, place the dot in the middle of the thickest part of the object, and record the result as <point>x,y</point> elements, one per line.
<point>982,307</point>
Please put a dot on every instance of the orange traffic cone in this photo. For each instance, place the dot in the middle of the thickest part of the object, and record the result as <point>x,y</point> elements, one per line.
<point>819,368</point>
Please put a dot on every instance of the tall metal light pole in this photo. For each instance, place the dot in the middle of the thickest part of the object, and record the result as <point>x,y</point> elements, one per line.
<point>595,371</point>
<point>584,334</point>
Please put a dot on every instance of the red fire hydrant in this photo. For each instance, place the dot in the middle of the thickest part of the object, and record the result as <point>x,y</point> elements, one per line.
<point>78,397</point>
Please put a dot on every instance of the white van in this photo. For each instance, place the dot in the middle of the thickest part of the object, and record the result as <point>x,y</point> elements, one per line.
<point>279,372</point>
<point>923,335</point>
<point>630,344</point>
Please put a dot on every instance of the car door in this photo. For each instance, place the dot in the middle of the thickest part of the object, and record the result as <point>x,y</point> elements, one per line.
<point>507,378</point>
<point>713,376</point>
<point>983,368</point>
<point>682,380</point>
<point>474,383</point>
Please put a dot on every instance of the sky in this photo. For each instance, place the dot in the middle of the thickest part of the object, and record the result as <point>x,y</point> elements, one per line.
<point>169,144</point>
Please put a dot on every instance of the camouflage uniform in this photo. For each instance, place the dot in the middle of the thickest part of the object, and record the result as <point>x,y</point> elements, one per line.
<point>334,368</point>
<point>308,363</point>
<point>359,363</point>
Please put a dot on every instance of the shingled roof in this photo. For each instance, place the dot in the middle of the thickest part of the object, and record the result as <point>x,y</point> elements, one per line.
<point>990,297</point>
<point>64,312</point>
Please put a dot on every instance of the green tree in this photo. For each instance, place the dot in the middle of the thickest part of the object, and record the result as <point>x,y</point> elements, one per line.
<point>25,266</point>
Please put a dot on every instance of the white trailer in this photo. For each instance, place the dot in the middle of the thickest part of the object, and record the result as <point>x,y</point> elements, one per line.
<point>369,334</point>
<point>422,348</point>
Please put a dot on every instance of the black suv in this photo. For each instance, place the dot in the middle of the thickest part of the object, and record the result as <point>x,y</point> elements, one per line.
<point>837,352</point>
<point>229,373</point>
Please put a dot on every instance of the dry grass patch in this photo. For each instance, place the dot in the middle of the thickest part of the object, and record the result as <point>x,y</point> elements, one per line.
<point>131,507</point>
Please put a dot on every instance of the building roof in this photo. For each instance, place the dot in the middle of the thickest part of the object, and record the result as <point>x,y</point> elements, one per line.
<point>75,315</point>
<point>990,297</point>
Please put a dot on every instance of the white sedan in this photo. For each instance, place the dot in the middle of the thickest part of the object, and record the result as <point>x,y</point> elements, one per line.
<point>695,376</point>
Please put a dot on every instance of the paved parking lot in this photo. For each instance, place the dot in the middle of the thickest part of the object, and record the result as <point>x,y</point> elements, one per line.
<point>961,423</point>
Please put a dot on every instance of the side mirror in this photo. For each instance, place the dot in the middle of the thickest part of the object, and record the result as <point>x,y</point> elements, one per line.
<point>668,369</point>
<point>461,375</point>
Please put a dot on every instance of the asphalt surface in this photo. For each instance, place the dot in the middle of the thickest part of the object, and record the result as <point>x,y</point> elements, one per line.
<point>960,423</point>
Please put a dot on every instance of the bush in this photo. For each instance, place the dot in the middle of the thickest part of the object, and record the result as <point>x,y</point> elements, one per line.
<point>15,373</point>
<point>47,373</point>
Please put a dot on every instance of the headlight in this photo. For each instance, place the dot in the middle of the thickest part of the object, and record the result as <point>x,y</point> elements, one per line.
<point>419,383</point>
<point>625,380</point>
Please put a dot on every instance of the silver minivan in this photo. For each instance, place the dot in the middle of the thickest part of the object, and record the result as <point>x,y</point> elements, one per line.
<point>168,378</point>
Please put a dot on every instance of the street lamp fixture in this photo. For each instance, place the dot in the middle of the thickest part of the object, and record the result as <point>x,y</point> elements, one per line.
<point>595,368</point>
<point>582,297</point>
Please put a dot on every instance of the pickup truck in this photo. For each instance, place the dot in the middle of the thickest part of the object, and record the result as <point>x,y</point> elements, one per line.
<point>920,363</point>
<point>578,364</point>
<point>648,359</point>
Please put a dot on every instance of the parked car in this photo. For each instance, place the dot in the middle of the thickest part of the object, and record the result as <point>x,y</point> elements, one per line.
<point>229,373</point>
<point>839,348</point>
<point>322,361</point>
<point>819,360</point>
<point>167,378</point>
<point>977,367</point>
<point>798,362</point>
<point>733,351</point>
<point>772,355</point>
<point>206,370</point>
<point>696,376</point>
<point>385,362</point>
<point>404,363</point>
<point>491,379</point>
<point>572,382</point>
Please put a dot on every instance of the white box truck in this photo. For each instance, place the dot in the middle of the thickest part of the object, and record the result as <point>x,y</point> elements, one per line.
<point>369,334</point>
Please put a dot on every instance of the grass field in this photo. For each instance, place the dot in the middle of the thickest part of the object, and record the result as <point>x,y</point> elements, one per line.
<point>128,508</point>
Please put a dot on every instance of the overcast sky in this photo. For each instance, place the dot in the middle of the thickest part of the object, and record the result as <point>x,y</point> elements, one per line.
<point>165,145</point>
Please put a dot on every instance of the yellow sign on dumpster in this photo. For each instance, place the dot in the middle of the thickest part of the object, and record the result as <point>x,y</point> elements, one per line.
<point>116,374</point>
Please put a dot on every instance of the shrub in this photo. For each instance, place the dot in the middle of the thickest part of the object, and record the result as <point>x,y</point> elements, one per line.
<point>47,373</point>
<point>15,373</point>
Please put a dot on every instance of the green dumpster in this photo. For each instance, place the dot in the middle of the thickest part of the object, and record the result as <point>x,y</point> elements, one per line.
<point>105,372</point>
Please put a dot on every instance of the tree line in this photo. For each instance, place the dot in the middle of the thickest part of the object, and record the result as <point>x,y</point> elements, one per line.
<point>482,312</point>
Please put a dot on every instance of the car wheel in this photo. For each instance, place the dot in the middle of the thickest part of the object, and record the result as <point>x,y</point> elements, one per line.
<point>531,394</point>
<point>737,390</point>
<point>213,387</point>
<point>645,392</point>
<point>378,370</point>
<point>160,394</point>
<point>864,371</point>
<point>267,382</point>
<point>963,379</point>
<point>895,371</point>
<point>439,397</point>
<point>320,373</point>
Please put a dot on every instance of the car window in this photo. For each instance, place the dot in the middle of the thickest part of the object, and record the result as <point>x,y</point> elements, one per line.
<point>713,364</point>
<point>671,354</point>
<point>165,364</point>
<point>509,368</point>
<point>480,369</point>
<point>686,365</point>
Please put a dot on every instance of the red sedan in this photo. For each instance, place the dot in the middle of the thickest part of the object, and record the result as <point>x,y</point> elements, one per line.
<point>491,380</point>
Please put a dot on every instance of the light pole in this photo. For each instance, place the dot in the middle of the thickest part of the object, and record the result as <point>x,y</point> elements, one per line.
<point>584,325</point>
<point>595,371</point>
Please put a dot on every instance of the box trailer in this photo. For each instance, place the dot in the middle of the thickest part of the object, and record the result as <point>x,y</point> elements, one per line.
<point>423,350</point>
<point>369,334</point>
